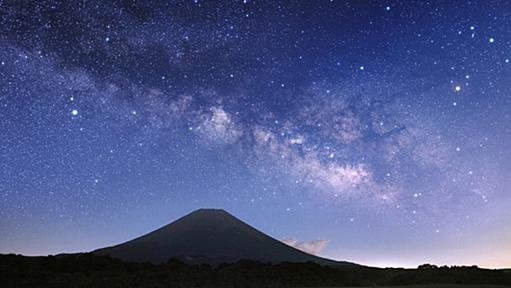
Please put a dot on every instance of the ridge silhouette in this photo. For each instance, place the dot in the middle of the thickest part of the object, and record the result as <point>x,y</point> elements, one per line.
<point>209,236</point>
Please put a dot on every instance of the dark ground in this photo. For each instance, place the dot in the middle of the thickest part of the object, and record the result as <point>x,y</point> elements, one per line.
<point>87,270</point>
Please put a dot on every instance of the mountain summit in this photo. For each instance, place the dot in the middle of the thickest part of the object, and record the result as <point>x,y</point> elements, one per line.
<point>209,236</point>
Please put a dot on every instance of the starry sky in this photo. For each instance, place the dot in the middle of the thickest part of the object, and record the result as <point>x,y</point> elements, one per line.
<point>369,131</point>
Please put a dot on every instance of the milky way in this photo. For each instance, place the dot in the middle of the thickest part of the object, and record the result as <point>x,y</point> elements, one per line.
<point>369,131</point>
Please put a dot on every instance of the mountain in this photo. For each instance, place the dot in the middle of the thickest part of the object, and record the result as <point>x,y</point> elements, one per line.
<point>210,236</point>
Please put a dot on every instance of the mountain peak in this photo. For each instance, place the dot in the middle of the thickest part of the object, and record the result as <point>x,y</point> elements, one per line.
<point>206,219</point>
<point>210,211</point>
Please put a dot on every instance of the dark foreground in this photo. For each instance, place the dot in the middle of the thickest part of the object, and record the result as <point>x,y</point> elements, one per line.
<point>86,270</point>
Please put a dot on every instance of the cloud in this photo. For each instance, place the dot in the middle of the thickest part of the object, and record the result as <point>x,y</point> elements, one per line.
<point>313,247</point>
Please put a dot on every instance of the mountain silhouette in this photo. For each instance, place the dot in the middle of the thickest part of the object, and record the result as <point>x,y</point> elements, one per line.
<point>209,236</point>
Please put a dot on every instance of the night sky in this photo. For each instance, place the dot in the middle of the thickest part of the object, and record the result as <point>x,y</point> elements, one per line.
<point>377,132</point>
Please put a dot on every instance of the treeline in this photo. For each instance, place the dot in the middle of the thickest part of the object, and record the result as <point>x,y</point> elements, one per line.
<point>87,270</point>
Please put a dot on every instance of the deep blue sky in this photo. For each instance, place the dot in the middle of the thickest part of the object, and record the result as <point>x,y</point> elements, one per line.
<point>369,131</point>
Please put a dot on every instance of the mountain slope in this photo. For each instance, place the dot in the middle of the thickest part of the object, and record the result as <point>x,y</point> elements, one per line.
<point>210,236</point>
